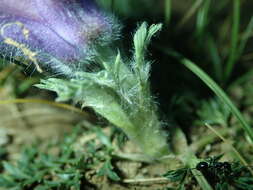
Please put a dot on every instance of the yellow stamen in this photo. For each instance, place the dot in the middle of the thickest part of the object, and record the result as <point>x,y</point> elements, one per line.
<point>26,51</point>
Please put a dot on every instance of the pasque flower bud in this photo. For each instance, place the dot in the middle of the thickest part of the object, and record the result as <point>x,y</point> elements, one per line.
<point>62,36</point>
<point>56,35</point>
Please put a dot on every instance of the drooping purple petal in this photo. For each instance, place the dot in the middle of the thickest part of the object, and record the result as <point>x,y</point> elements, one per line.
<point>50,30</point>
<point>24,8</point>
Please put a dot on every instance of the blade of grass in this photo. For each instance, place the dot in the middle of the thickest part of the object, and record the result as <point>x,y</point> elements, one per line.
<point>40,101</point>
<point>112,5</point>
<point>246,35</point>
<point>189,13</point>
<point>234,40</point>
<point>158,180</point>
<point>167,11</point>
<point>202,18</point>
<point>214,87</point>
<point>220,93</point>
<point>216,60</point>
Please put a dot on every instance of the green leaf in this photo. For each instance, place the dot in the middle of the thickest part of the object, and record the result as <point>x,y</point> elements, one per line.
<point>14,171</point>
<point>6,181</point>
<point>103,138</point>
<point>243,183</point>
<point>142,38</point>
<point>176,175</point>
<point>140,41</point>
<point>107,170</point>
<point>233,54</point>
<point>213,112</point>
<point>42,187</point>
<point>222,186</point>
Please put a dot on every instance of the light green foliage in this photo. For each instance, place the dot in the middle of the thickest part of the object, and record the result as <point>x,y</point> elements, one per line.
<point>120,92</point>
<point>106,170</point>
<point>213,112</point>
<point>63,170</point>
<point>41,171</point>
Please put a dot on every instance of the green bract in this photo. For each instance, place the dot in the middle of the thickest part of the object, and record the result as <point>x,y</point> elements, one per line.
<point>120,92</point>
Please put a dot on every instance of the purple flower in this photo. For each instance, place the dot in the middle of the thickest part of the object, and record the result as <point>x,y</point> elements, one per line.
<point>55,34</point>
